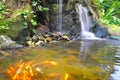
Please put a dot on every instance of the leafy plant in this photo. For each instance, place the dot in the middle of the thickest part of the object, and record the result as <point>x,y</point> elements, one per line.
<point>29,15</point>
<point>3,29</point>
<point>109,11</point>
<point>4,11</point>
<point>37,4</point>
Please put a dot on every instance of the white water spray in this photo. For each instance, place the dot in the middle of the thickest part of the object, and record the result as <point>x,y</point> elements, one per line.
<point>60,4</point>
<point>85,22</point>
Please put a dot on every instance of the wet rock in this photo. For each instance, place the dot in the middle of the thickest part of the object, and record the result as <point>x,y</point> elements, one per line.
<point>31,43</point>
<point>114,37</point>
<point>7,43</point>
<point>46,35</point>
<point>55,36</point>
<point>39,43</point>
<point>34,38</point>
<point>101,32</point>
<point>67,24</point>
<point>42,30</point>
<point>65,37</point>
<point>14,46</point>
<point>48,39</point>
<point>38,40</point>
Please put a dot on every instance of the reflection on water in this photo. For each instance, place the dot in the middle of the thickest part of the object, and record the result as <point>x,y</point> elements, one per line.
<point>88,48</point>
<point>82,60</point>
<point>116,74</point>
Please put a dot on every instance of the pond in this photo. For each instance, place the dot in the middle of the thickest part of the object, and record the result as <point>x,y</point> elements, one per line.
<point>74,60</point>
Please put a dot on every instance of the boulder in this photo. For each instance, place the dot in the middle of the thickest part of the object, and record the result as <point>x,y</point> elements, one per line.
<point>101,32</point>
<point>7,43</point>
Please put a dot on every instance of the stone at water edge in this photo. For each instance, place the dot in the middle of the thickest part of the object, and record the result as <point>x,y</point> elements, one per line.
<point>114,37</point>
<point>65,37</point>
<point>6,42</point>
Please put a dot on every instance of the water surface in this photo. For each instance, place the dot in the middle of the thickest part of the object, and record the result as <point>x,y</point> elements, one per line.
<point>82,60</point>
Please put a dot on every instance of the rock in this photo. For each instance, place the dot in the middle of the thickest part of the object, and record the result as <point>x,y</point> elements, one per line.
<point>42,30</point>
<point>101,32</point>
<point>48,39</point>
<point>38,40</point>
<point>23,36</point>
<point>35,38</point>
<point>46,35</point>
<point>55,35</point>
<point>7,43</point>
<point>39,43</point>
<point>114,37</point>
<point>41,38</point>
<point>31,44</point>
<point>67,24</point>
<point>65,37</point>
<point>14,46</point>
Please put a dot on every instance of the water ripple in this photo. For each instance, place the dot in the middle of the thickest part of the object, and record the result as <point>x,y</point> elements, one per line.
<point>116,74</point>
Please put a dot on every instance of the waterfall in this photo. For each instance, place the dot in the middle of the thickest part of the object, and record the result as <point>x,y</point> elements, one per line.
<point>59,26</point>
<point>85,21</point>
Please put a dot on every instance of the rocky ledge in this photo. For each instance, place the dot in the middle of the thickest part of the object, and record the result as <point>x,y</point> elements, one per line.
<point>38,40</point>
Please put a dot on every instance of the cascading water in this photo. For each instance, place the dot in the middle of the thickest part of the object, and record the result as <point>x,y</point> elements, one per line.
<point>60,4</point>
<point>85,21</point>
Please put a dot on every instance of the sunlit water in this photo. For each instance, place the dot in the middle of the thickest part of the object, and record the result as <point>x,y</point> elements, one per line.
<point>82,60</point>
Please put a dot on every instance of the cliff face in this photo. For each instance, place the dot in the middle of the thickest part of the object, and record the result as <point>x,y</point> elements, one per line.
<point>70,23</point>
<point>70,18</point>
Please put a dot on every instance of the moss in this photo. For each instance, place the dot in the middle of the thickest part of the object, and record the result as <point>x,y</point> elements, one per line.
<point>16,14</point>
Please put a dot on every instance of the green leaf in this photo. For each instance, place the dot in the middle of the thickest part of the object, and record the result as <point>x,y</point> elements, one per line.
<point>34,3</point>
<point>34,23</point>
<point>25,26</point>
<point>40,8</point>
<point>25,23</point>
<point>31,12</point>
<point>27,11</point>
<point>7,28</point>
<point>34,30</point>
<point>1,17</point>
<point>4,28</point>
<point>45,9</point>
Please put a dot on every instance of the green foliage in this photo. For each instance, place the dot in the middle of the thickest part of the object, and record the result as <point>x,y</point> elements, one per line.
<point>3,20</point>
<point>4,25</point>
<point>25,24</point>
<point>4,29</point>
<point>3,10</point>
<point>34,30</point>
<point>37,4</point>
<point>29,16</point>
<point>109,11</point>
